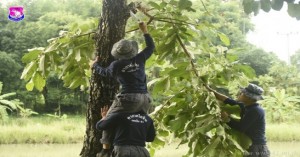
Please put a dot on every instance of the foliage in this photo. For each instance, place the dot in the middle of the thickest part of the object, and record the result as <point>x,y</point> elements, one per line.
<point>227,18</point>
<point>11,105</point>
<point>295,60</point>
<point>281,76</point>
<point>68,55</point>
<point>61,99</point>
<point>258,59</point>
<point>20,37</point>
<point>9,71</point>
<point>44,20</point>
<point>6,104</point>
<point>37,8</point>
<point>281,106</point>
<point>188,111</point>
<point>185,63</point>
<point>282,88</point>
<point>266,5</point>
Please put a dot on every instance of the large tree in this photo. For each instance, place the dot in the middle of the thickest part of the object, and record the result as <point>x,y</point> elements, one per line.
<point>258,59</point>
<point>295,59</point>
<point>185,63</point>
<point>102,90</point>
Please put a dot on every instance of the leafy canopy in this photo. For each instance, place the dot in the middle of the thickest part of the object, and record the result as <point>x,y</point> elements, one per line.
<point>266,5</point>
<point>185,58</point>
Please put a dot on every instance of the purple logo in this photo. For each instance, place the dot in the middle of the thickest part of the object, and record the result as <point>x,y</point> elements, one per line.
<point>16,14</point>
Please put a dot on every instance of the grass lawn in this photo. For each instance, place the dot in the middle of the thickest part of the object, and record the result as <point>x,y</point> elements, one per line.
<point>42,130</point>
<point>278,149</point>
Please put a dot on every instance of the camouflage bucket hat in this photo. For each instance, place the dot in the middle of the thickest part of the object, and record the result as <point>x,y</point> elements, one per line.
<point>124,49</point>
<point>253,91</point>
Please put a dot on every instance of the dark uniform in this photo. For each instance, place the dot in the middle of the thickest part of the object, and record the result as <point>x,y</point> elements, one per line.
<point>253,124</point>
<point>130,73</point>
<point>132,130</point>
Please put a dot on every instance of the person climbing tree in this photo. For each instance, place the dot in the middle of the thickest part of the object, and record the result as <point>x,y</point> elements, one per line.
<point>129,70</point>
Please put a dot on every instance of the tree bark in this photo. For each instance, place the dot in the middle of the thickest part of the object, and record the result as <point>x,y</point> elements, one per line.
<point>102,90</point>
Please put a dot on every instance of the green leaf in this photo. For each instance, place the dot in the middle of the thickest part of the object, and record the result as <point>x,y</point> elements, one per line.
<point>265,5</point>
<point>206,128</point>
<point>210,149</point>
<point>52,47</point>
<point>32,55</point>
<point>256,7</point>
<point>240,139</point>
<point>10,104</point>
<point>294,10</point>
<point>3,113</point>
<point>248,6</point>
<point>204,79</point>
<point>247,70</point>
<point>29,70</point>
<point>30,85</point>
<point>178,123</point>
<point>162,85</point>
<point>78,56</point>
<point>39,81</point>
<point>154,5</point>
<point>184,4</point>
<point>75,83</point>
<point>174,108</point>
<point>7,95</point>
<point>42,65</point>
<point>277,4</point>
<point>236,110</point>
<point>224,38</point>
<point>1,86</point>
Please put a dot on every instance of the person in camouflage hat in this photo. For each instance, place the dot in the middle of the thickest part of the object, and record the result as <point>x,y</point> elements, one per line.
<point>252,121</point>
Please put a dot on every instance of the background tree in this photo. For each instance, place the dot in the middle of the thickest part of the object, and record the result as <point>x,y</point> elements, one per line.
<point>186,111</point>
<point>266,5</point>
<point>43,21</point>
<point>295,60</point>
<point>9,72</point>
<point>102,90</point>
<point>282,89</point>
<point>228,18</point>
<point>258,59</point>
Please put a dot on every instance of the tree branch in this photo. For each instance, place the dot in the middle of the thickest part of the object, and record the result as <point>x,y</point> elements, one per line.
<point>81,35</point>
<point>150,20</point>
<point>204,6</point>
<point>168,20</point>
<point>188,54</point>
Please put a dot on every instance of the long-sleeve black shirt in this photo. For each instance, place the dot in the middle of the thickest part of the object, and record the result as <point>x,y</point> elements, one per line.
<point>130,73</point>
<point>252,121</point>
<point>130,128</point>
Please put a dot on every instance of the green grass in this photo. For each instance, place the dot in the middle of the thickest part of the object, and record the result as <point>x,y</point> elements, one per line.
<point>42,130</point>
<point>278,149</point>
<point>72,130</point>
<point>283,132</point>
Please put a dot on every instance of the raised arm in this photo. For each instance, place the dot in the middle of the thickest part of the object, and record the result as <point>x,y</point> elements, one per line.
<point>148,50</point>
<point>218,95</point>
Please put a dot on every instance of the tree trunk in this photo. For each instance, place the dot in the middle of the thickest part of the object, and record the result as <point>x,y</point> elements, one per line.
<point>102,90</point>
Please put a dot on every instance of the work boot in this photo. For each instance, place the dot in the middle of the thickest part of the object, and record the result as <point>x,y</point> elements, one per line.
<point>104,153</point>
